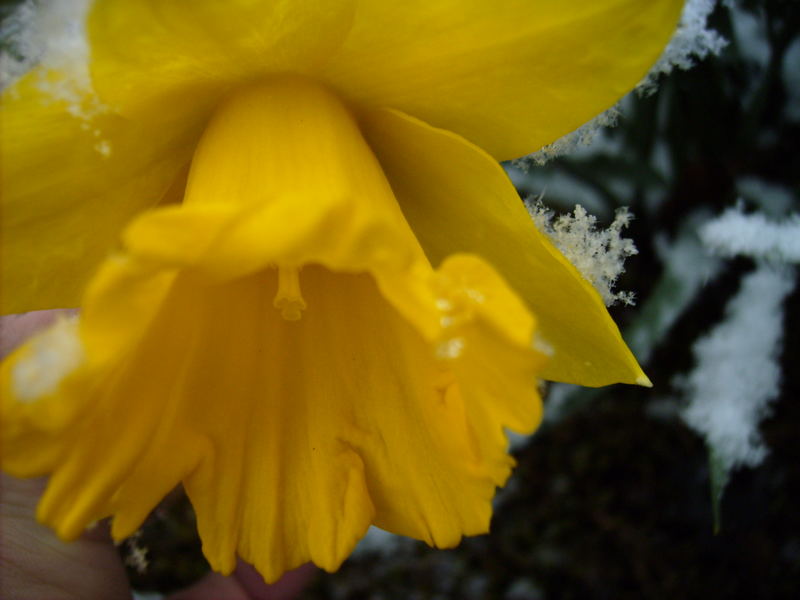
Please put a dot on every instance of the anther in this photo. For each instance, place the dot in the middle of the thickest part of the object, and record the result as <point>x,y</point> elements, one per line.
<point>288,299</point>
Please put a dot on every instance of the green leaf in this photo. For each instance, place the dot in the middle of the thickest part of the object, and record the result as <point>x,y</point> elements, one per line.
<point>719,475</point>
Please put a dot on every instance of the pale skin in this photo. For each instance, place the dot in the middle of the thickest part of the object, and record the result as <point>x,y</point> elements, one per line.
<point>36,565</point>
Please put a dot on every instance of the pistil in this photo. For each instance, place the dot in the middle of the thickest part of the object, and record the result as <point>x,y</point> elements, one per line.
<point>289,299</point>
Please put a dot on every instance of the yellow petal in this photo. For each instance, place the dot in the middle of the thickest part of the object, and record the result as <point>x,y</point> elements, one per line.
<point>385,402</point>
<point>283,156</point>
<point>509,76</point>
<point>458,199</point>
<point>428,475</point>
<point>291,437</point>
<point>156,59</point>
<point>69,185</point>
<point>31,409</point>
<point>508,83</point>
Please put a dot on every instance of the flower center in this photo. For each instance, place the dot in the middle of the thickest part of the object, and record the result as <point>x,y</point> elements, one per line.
<point>288,298</point>
<point>282,177</point>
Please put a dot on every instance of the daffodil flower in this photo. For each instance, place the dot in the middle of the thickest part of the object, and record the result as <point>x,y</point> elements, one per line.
<point>322,311</point>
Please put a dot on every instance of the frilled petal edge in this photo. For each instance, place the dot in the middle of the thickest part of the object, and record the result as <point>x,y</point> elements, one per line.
<point>458,199</point>
<point>299,391</point>
<point>290,436</point>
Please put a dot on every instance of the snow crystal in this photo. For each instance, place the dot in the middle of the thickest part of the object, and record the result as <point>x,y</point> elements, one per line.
<point>753,235</point>
<point>50,356</point>
<point>20,48</point>
<point>51,35</point>
<point>581,137</point>
<point>137,553</point>
<point>599,255</point>
<point>737,374</point>
<point>691,41</point>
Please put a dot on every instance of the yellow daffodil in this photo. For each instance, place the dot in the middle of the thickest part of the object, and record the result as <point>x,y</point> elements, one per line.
<point>322,310</point>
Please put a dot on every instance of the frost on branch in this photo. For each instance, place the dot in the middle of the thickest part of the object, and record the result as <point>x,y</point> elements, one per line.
<point>737,373</point>
<point>753,235</point>
<point>599,255</point>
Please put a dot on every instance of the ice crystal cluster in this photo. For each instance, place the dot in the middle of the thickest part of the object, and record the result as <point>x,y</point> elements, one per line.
<point>583,136</point>
<point>735,233</point>
<point>49,33</point>
<point>737,373</point>
<point>693,40</point>
<point>599,254</point>
<point>55,352</point>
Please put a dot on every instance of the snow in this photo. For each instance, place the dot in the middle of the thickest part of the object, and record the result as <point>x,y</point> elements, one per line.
<point>693,40</point>
<point>735,233</point>
<point>737,374</point>
<point>51,35</point>
<point>599,254</point>
<point>50,356</point>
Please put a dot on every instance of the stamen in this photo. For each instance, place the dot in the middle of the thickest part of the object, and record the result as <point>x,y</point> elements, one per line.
<point>289,300</point>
